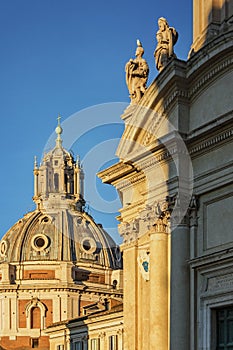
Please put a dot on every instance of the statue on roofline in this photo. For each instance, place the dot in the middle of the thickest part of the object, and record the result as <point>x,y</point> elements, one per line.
<point>166,37</point>
<point>137,71</point>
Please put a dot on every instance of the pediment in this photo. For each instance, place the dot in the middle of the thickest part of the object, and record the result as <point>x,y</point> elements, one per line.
<point>144,128</point>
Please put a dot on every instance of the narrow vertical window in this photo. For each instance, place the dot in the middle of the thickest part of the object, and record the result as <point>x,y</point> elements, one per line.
<point>113,342</point>
<point>35,343</point>
<point>35,317</point>
<point>60,347</point>
<point>56,182</point>
<point>78,345</point>
<point>95,344</point>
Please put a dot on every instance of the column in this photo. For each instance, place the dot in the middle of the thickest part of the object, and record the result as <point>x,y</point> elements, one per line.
<point>159,286</point>
<point>193,222</point>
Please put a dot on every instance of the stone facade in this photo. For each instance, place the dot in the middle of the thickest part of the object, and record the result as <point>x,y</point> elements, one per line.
<point>174,177</point>
<point>102,330</point>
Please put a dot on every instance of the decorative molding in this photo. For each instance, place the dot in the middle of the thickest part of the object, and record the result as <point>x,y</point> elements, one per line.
<point>208,51</point>
<point>212,141</point>
<point>134,179</point>
<point>176,94</point>
<point>102,335</point>
<point>193,209</point>
<point>35,303</point>
<point>115,171</point>
<point>141,166</point>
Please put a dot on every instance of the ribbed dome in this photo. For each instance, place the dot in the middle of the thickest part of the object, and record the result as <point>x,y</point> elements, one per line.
<point>59,229</point>
<point>61,235</point>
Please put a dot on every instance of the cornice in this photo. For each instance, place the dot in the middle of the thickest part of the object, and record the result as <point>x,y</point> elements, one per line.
<point>211,141</point>
<point>133,179</point>
<point>212,259</point>
<point>129,174</point>
<point>116,171</point>
<point>208,51</point>
<point>84,290</point>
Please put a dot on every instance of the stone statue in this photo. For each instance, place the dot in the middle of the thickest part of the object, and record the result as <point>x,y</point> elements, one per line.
<point>166,37</point>
<point>137,71</point>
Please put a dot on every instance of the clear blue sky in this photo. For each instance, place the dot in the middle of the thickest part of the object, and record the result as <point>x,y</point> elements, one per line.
<point>61,56</point>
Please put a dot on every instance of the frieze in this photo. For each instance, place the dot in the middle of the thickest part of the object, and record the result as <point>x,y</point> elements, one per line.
<point>134,179</point>
<point>156,159</point>
<point>72,290</point>
<point>212,141</point>
<point>176,94</point>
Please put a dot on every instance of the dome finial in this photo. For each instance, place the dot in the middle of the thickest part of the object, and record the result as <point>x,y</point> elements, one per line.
<point>58,131</point>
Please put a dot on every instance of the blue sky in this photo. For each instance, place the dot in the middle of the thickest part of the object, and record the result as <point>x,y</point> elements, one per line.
<point>63,56</point>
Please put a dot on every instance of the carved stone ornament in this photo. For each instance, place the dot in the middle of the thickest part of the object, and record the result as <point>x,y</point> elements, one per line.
<point>137,71</point>
<point>174,210</point>
<point>101,335</point>
<point>166,37</point>
<point>129,230</point>
<point>193,209</point>
<point>157,214</point>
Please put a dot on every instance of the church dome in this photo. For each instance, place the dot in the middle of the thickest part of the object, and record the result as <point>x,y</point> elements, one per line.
<point>59,229</point>
<point>61,235</point>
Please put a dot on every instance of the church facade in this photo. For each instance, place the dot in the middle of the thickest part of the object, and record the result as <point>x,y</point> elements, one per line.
<point>175,179</point>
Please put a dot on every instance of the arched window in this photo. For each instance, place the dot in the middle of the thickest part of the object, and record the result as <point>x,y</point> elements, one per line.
<point>35,314</point>
<point>35,317</point>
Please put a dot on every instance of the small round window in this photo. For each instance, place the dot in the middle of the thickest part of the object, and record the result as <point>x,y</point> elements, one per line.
<point>88,245</point>
<point>40,242</point>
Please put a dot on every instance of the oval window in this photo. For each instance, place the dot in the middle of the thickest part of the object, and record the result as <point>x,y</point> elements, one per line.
<point>3,248</point>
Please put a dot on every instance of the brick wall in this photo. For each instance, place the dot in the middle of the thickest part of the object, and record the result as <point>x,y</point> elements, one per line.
<point>23,343</point>
<point>39,274</point>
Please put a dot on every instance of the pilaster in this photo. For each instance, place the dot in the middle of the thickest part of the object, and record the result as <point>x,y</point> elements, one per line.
<point>179,309</point>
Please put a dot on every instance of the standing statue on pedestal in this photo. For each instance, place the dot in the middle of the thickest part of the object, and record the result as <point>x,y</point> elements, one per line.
<point>166,37</point>
<point>137,71</point>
